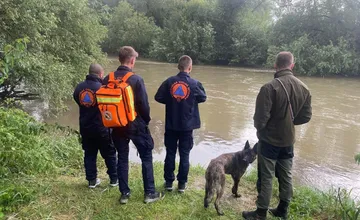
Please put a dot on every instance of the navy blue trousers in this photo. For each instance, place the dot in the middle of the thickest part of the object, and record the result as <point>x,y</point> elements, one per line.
<point>174,140</point>
<point>144,144</point>
<point>91,145</point>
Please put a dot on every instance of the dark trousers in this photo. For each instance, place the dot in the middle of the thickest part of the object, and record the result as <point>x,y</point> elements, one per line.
<point>91,145</point>
<point>182,140</point>
<point>144,144</point>
<point>274,161</point>
<point>258,182</point>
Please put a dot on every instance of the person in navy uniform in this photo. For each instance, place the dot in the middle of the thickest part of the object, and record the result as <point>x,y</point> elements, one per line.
<point>137,131</point>
<point>181,95</point>
<point>95,137</point>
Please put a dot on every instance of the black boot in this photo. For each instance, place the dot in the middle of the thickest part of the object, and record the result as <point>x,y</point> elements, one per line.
<point>258,214</point>
<point>281,211</point>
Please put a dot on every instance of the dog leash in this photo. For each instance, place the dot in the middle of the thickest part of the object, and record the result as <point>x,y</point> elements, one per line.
<point>288,99</point>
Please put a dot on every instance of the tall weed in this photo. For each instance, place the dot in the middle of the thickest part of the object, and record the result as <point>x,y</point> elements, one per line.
<point>30,147</point>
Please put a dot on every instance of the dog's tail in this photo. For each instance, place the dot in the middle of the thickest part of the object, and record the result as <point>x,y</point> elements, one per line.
<point>209,190</point>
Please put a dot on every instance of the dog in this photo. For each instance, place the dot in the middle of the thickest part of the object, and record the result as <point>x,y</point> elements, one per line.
<point>234,164</point>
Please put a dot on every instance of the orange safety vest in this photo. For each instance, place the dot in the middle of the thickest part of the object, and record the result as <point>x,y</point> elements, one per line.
<point>116,102</point>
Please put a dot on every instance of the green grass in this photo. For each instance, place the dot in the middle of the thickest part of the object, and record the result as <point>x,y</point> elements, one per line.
<point>42,177</point>
<point>67,197</point>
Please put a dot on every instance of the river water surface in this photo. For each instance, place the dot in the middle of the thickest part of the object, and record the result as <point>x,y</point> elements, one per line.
<point>325,147</point>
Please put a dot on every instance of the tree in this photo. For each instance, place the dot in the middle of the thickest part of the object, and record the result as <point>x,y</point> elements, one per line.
<point>160,10</point>
<point>314,59</point>
<point>12,57</point>
<point>324,34</point>
<point>128,27</point>
<point>183,34</point>
<point>322,20</point>
<point>250,37</point>
<point>64,39</point>
<point>224,20</point>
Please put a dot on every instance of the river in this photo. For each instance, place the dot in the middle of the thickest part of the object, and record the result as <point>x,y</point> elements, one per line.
<point>325,147</point>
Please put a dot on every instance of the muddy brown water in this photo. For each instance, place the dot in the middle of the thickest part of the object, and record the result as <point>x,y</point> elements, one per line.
<point>325,147</point>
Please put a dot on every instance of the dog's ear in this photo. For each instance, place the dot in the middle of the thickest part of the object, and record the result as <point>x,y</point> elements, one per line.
<point>247,145</point>
<point>255,148</point>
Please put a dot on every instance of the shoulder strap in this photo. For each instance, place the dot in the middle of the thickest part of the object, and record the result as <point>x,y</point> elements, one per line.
<point>288,99</point>
<point>112,77</point>
<point>127,76</point>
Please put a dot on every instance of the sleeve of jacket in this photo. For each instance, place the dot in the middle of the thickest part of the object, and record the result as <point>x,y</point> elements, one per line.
<point>142,102</point>
<point>76,96</point>
<point>200,93</point>
<point>162,95</point>
<point>263,108</point>
<point>305,113</point>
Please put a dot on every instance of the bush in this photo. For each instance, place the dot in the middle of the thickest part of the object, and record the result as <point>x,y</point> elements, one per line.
<point>188,31</point>
<point>357,158</point>
<point>128,27</point>
<point>312,59</point>
<point>251,38</point>
<point>184,38</point>
<point>30,147</point>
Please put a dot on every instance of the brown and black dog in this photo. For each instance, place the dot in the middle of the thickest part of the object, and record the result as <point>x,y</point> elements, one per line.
<point>230,163</point>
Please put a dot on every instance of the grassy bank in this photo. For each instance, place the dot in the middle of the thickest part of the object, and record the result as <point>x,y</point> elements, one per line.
<point>42,178</point>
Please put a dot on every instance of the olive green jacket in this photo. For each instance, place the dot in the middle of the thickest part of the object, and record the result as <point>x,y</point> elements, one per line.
<point>272,117</point>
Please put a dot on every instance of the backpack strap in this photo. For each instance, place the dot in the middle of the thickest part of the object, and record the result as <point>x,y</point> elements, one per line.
<point>114,81</point>
<point>112,77</point>
<point>127,76</point>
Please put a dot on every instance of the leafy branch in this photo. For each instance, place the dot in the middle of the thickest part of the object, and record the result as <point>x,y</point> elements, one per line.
<point>10,55</point>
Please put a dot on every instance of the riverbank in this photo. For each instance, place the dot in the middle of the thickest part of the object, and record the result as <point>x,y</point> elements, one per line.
<point>42,177</point>
<point>67,197</point>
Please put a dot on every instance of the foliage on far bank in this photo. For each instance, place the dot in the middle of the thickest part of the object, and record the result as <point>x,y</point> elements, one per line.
<point>357,158</point>
<point>186,32</point>
<point>323,34</point>
<point>129,27</point>
<point>314,59</point>
<point>64,38</point>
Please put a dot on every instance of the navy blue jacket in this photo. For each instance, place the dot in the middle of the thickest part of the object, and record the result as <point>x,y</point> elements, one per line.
<point>90,116</point>
<point>142,106</point>
<point>181,95</point>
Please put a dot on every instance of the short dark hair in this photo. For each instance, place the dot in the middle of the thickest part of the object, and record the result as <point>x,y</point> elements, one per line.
<point>126,53</point>
<point>184,62</point>
<point>284,60</point>
<point>95,69</point>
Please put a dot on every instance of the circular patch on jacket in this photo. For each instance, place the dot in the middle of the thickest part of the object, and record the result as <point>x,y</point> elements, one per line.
<point>180,91</point>
<point>87,98</point>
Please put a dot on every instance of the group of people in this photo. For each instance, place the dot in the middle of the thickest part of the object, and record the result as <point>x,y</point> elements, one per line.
<point>281,104</point>
<point>180,93</point>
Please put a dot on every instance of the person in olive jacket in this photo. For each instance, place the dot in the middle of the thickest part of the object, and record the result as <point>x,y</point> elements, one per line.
<point>181,95</point>
<point>281,104</point>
